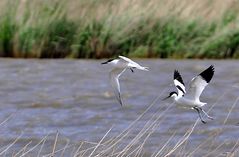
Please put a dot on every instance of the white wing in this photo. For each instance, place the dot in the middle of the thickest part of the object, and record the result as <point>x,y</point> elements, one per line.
<point>133,64</point>
<point>114,80</point>
<point>178,82</point>
<point>128,60</point>
<point>199,82</point>
<point>196,87</point>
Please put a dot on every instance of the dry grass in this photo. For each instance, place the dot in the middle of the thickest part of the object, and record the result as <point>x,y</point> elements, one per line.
<point>119,146</point>
<point>208,10</point>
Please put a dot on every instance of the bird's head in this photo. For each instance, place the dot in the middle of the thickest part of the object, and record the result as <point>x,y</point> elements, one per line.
<point>108,61</point>
<point>171,95</point>
<point>111,61</point>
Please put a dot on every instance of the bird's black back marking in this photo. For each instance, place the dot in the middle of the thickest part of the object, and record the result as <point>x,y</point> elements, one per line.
<point>207,74</point>
<point>178,77</point>
<point>107,61</point>
<point>180,89</point>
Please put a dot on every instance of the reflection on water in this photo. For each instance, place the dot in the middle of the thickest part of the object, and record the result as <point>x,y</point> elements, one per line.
<point>74,98</point>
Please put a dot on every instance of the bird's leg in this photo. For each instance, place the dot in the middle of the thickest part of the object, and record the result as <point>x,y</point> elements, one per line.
<point>120,100</point>
<point>199,114</point>
<point>131,70</point>
<point>209,117</point>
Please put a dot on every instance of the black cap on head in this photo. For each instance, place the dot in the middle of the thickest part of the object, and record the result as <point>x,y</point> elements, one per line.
<point>107,61</point>
<point>170,94</point>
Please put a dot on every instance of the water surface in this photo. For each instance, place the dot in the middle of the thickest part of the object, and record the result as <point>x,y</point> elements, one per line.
<point>74,98</point>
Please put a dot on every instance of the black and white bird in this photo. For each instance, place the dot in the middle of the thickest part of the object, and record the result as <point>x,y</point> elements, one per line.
<point>191,98</point>
<point>119,66</point>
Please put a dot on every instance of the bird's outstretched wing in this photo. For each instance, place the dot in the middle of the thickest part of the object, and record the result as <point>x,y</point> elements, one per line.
<point>114,80</point>
<point>133,64</point>
<point>179,84</point>
<point>128,60</point>
<point>199,82</point>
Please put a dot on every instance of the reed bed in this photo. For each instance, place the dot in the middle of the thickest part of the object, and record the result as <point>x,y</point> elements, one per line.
<point>106,28</point>
<point>116,146</point>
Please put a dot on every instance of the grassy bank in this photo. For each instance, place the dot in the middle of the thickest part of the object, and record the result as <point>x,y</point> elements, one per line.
<point>105,28</point>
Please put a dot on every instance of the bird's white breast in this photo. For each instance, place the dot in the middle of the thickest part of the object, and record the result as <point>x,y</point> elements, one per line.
<point>187,103</point>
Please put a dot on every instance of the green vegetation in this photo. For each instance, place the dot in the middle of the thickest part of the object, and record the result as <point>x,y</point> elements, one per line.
<point>105,28</point>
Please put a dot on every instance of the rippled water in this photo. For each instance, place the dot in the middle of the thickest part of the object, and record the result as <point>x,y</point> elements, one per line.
<point>74,98</point>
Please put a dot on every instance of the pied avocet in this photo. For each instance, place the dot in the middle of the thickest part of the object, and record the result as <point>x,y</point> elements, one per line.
<point>120,65</point>
<point>191,98</point>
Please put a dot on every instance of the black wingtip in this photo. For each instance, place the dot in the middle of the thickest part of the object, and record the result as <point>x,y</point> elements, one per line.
<point>177,76</point>
<point>207,74</point>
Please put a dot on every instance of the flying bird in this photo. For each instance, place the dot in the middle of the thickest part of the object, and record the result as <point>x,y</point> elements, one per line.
<point>191,98</point>
<point>119,66</point>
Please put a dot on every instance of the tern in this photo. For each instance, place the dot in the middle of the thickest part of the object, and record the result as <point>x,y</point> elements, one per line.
<point>119,66</point>
<point>191,98</point>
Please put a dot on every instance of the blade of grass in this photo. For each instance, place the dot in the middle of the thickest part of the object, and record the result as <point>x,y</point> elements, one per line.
<point>166,143</point>
<point>23,149</point>
<point>100,142</point>
<point>232,107</point>
<point>63,151</point>
<point>185,137</point>
<point>54,146</point>
<point>31,149</point>
<point>10,145</point>
<point>124,133</point>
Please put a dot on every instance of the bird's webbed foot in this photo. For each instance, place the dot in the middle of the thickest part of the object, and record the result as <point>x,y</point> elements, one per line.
<point>132,70</point>
<point>199,114</point>
<point>209,117</point>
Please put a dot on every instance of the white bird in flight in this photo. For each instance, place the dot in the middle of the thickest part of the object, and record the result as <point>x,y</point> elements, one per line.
<point>191,98</point>
<point>120,65</point>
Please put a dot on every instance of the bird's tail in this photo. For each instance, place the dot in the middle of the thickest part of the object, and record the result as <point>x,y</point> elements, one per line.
<point>143,68</point>
<point>202,104</point>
